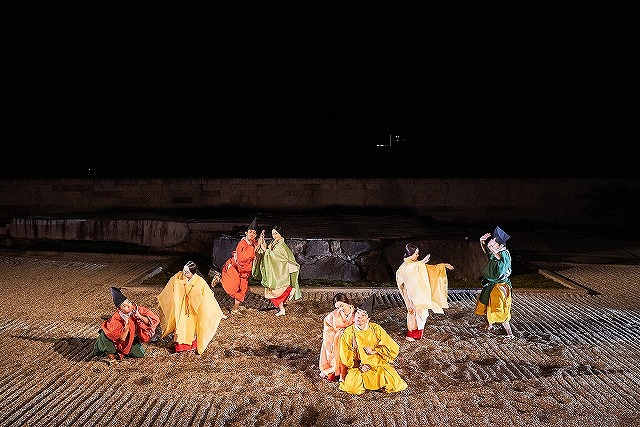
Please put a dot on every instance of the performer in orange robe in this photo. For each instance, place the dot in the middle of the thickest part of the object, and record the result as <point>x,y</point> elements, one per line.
<point>237,270</point>
<point>129,327</point>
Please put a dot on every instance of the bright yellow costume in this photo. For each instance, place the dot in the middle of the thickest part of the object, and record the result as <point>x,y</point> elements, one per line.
<point>382,374</point>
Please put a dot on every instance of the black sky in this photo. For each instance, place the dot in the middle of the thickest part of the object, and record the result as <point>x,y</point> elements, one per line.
<point>303,92</point>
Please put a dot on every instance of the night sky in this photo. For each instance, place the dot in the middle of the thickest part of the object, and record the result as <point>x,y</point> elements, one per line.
<point>285,92</point>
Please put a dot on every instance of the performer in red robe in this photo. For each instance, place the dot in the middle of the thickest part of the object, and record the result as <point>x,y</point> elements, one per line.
<point>123,334</point>
<point>237,269</point>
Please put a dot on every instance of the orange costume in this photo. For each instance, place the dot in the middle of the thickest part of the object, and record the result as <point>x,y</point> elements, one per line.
<point>114,326</point>
<point>237,269</point>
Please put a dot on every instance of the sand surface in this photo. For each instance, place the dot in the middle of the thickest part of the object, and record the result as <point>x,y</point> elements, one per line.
<point>574,361</point>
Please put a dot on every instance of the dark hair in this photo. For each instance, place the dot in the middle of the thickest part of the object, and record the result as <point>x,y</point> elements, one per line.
<point>278,228</point>
<point>409,250</point>
<point>340,297</point>
<point>193,268</point>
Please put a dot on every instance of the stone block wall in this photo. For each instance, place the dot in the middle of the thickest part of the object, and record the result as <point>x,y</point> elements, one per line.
<point>562,201</point>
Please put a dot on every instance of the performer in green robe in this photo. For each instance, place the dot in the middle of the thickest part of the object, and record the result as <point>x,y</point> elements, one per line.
<point>494,299</point>
<point>277,269</point>
<point>368,352</point>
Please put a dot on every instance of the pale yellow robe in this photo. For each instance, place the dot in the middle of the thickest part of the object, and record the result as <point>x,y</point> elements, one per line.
<point>189,310</point>
<point>423,287</point>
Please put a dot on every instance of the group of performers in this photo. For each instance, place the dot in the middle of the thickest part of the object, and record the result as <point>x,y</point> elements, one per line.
<point>273,264</point>
<point>355,351</point>
<point>359,353</point>
<point>190,312</point>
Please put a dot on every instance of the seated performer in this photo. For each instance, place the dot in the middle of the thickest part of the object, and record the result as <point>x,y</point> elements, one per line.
<point>123,334</point>
<point>368,353</point>
<point>335,323</point>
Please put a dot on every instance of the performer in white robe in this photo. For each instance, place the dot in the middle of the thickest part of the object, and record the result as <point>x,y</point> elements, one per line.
<point>423,287</point>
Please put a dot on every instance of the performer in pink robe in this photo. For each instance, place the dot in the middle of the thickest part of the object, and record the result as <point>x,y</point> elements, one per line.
<point>335,322</point>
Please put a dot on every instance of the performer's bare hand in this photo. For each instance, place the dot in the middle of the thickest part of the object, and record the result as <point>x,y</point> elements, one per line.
<point>448,266</point>
<point>485,237</point>
<point>369,351</point>
<point>365,368</point>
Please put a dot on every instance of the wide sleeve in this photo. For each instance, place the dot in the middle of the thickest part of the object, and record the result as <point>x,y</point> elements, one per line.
<point>113,327</point>
<point>400,277</point>
<point>347,352</point>
<point>439,283</point>
<point>258,264</point>
<point>167,301</point>
<point>498,270</point>
<point>245,254</point>
<point>327,350</point>
<point>387,348</point>
<point>400,281</point>
<point>147,331</point>
<point>293,268</point>
<point>209,313</point>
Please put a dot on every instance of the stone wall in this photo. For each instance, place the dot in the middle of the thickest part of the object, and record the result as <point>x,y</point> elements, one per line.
<point>596,201</point>
<point>191,215</point>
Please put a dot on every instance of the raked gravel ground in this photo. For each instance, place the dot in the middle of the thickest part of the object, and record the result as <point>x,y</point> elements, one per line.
<point>575,360</point>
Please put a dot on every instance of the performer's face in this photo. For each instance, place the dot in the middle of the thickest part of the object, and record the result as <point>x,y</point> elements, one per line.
<point>343,306</point>
<point>494,246</point>
<point>361,318</point>
<point>187,273</point>
<point>126,307</point>
<point>275,235</point>
<point>251,234</point>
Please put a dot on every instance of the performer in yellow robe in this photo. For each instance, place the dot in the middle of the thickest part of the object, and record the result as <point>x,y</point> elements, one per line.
<point>190,310</point>
<point>423,287</point>
<point>368,352</point>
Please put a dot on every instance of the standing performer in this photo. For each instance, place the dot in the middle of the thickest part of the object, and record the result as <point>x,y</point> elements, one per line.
<point>277,270</point>
<point>423,287</point>
<point>190,310</point>
<point>237,269</point>
<point>123,334</point>
<point>494,299</point>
